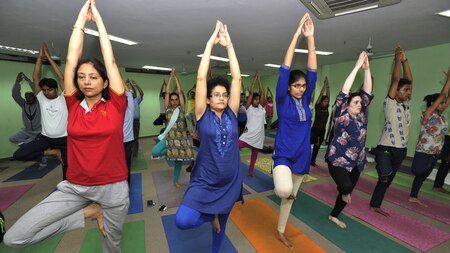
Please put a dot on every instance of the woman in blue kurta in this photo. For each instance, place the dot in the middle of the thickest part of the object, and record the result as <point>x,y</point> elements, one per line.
<point>346,155</point>
<point>216,180</point>
<point>292,152</point>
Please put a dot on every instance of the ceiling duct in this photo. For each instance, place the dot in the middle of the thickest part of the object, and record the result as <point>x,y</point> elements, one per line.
<point>324,9</point>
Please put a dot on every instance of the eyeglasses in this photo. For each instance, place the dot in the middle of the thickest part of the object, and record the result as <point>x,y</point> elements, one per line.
<point>299,85</point>
<point>217,95</point>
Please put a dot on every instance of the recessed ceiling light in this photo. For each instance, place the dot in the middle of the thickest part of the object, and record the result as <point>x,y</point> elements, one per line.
<point>217,58</point>
<point>156,68</point>
<point>357,10</point>
<point>444,13</point>
<point>16,49</point>
<point>243,75</point>
<point>272,65</point>
<point>111,37</point>
<point>305,51</point>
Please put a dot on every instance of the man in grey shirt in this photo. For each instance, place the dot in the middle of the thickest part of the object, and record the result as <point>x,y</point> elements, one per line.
<point>31,113</point>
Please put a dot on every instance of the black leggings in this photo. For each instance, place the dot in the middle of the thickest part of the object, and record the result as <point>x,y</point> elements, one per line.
<point>346,182</point>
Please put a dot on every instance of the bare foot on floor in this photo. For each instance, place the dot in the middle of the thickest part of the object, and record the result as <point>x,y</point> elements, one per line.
<point>417,201</point>
<point>337,222</point>
<point>55,152</point>
<point>216,224</point>
<point>94,210</point>
<point>347,198</point>
<point>178,185</point>
<point>252,174</point>
<point>284,240</point>
<point>380,211</point>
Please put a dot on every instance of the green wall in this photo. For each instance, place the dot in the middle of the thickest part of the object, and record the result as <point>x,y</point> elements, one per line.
<point>427,65</point>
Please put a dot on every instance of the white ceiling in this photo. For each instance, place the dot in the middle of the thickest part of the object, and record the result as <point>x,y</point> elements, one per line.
<point>172,32</point>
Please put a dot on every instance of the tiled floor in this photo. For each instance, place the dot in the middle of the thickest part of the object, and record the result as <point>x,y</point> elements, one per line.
<point>155,238</point>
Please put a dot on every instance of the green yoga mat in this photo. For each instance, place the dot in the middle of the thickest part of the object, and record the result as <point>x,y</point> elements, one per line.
<point>406,181</point>
<point>245,152</point>
<point>133,239</point>
<point>45,246</point>
<point>355,238</point>
<point>138,163</point>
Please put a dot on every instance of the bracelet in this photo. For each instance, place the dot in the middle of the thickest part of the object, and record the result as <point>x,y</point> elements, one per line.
<point>76,27</point>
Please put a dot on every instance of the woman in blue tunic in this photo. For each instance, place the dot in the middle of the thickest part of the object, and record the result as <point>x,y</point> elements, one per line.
<point>216,179</point>
<point>292,152</point>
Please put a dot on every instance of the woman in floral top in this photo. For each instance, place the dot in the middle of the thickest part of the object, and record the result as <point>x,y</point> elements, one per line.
<point>346,156</point>
<point>431,139</point>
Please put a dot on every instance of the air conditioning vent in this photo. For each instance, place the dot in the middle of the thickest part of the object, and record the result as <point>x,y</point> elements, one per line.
<point>324,9</point>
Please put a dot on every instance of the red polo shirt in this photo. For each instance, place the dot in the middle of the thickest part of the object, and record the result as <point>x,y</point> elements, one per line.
<point>95,153</point>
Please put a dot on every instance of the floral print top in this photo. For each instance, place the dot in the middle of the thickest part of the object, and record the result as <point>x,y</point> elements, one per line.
<point>432,134</point>
<point>346,150</point>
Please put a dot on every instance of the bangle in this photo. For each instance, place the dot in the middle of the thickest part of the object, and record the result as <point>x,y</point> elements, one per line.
<point>76,27</point>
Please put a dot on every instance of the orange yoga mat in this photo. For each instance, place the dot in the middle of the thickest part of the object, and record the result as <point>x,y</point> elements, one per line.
<point>258,222</point>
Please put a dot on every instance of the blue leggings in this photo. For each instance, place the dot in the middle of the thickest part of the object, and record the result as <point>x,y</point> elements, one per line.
<point>187,218</point>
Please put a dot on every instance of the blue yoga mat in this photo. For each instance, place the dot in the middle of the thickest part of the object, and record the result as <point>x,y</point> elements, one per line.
<point>33,172</point>
<point>260,183</point>
<point>135,194</point>
<point>192,240</point>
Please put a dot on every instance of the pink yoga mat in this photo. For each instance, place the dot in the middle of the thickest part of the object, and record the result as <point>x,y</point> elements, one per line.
<point>415,233</point>
<point>10,194</point>
<point>320,169</point>
<point>435,210</point>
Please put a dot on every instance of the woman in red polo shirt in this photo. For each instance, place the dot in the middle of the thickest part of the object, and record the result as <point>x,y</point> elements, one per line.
<point>96,185</point>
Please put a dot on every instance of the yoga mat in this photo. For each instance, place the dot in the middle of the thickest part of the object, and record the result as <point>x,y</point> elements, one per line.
<point>263,163</point>
<point>406,181</point>
<point>355,238</point>
<point>415,233</point>
<point>261,235</point>
<point>245,152</point>
<point>260,183</point>
<point>192,240</point>
<point>10,194</point>
<point>321,169</point>
<point>435,210</point>
<point>133,239</point>
<point>45,246</point>
<point>136,205</point>
<point>167,193</point>
<point>33,172</point>
<point>245,191</point>
<point>308,178</point>
<point>138,163</point>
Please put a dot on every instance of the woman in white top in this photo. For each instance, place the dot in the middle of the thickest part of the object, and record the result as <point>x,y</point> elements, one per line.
<point>253,135</point>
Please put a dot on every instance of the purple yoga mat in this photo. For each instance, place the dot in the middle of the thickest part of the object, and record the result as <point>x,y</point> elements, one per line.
<point>415,233</point>
<point>10,194</point>
<point>320,169</point>
<point>167,193</point>
<point>435,210</point>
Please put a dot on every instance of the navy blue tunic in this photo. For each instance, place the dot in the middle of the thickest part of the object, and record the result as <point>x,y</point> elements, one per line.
<point>216,179</point>
<point>292,143</point>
